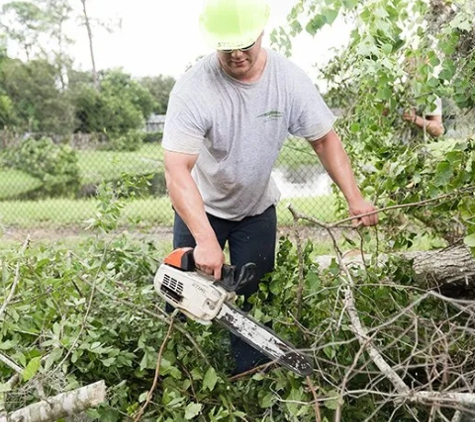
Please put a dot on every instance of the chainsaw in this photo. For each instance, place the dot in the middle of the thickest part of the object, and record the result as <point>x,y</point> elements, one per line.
<point>204,299</point>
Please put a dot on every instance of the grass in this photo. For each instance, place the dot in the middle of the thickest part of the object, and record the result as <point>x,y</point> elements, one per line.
<point>96,166</point>
<point>64,222</point>
<point>53,213</point>
<point>69,216</point>
<point>297,152</point>
<point>15,183</point>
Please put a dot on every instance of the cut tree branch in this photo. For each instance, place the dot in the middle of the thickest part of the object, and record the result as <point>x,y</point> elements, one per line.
<point>16,280</point>
<point>403,393</point>
<point>60,406</point>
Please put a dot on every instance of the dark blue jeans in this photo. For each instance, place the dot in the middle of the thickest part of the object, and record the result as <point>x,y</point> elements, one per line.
<point>252,239</point>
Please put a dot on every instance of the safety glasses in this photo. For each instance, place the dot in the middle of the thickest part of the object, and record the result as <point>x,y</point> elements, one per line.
<point>240,49</point>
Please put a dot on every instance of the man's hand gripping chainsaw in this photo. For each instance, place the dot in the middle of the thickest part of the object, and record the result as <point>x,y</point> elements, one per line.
<point>204,299</point>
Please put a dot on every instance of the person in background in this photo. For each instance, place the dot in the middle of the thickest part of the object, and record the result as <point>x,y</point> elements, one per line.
<point>226,121</point>
<point>429,121</point>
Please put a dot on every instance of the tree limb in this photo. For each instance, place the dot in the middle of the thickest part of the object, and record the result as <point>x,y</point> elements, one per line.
<point>16,280</point>
<point>60,406</point>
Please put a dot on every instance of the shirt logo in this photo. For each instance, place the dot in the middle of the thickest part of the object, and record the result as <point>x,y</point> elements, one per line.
<point>271,115</point>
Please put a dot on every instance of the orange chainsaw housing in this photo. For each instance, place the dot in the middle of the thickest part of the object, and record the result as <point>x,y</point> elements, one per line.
<point>181,258</point>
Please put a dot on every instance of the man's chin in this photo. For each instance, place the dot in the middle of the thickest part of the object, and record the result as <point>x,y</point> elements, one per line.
<point>237,71</point>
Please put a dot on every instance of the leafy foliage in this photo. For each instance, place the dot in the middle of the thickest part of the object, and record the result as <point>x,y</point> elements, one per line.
<point>118,109</point>
<point>392,64</point>
<point>22,21</point>
<point>32,100</point>
<point>160,88</point>
<point>132,140</point>
<point>55,165</point>
<point>92,314</point>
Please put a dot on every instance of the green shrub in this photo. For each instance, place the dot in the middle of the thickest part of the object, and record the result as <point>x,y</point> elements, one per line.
<point>55,165</point>
<point>158,184</point>
<point>130,141</point>
<point>153,137</point>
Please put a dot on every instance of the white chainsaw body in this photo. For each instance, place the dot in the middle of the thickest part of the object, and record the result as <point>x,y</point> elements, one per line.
<point>197,296</point>
<point>202,299</point>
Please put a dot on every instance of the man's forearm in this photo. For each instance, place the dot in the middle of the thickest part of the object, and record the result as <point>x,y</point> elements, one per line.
<point>188,203</point>
<point>434,128</point>
<point>335,161</point>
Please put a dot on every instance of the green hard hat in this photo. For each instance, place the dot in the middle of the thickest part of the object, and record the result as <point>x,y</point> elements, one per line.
<point>233,24</point>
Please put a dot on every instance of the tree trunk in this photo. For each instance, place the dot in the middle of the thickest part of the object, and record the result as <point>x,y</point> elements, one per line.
<point>451,270</point>
<point>454,265</point>
<point>91,49</point>
<point>60,406</point>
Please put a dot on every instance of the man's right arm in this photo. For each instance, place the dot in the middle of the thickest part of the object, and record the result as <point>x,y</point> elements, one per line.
<point>188,203</point>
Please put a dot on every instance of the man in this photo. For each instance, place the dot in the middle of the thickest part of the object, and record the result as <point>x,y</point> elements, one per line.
<point>227,119</point>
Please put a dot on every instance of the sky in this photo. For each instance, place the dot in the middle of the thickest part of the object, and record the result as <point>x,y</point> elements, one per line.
<point>163,36</point>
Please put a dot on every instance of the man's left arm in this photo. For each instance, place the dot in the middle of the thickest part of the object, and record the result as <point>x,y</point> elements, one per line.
<point>334,159</point>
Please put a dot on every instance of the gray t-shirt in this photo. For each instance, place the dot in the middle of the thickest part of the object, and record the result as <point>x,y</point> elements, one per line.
<point>238,130</point>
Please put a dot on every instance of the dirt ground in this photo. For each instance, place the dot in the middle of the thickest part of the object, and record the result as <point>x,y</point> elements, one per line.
<point>71,234</point>
<point>74,234</point>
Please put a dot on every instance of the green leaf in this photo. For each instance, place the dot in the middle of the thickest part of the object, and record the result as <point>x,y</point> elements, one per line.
<point>258,377</point>
<point>330,15</point>
<point>313,281</point>
<point>350,4</point>
<point>470,240</point>
<point>444,174</point>
<point>196,374</point>
<point>210,379</point>
<point>329,351</point>
<point>268,400</point>
<point>192,410</point>
<point>333,402</point>
<point>296,27</point>
<point>384,93</point>
<point>315,24</point>
<point>5,388</point>
<point>54,356</point>
<point>387,48</point>
<point>462,21</point>
<point>6,345</point>
<point>31,369</point>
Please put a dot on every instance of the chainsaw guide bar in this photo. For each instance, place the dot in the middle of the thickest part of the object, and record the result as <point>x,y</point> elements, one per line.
<point>204,300</point>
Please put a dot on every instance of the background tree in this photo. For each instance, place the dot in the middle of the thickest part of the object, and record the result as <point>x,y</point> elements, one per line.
<point>22,22</point>
<point>160,87</point>
<point>6,107</point>
<point>58,13</point>
<point>37,105</point>
<point>87,24</point>
<point>121,104</point>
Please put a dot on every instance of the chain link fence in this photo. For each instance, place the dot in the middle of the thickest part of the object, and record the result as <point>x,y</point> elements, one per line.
<point>58,181</point>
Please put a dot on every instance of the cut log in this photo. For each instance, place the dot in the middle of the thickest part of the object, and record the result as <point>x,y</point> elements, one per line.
<point>451,269</point>
<point>60,406</point>
<point>450,266</point>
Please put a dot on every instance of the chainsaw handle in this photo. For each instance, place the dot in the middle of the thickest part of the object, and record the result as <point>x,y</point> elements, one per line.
<point>230,282</point>
<point>183,259</point>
